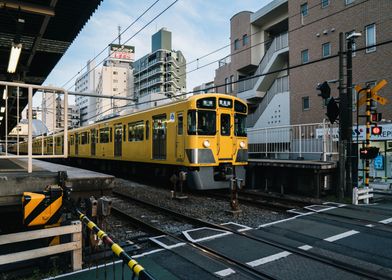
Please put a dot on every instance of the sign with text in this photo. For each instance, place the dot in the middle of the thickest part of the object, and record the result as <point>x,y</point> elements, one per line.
<point>122,52</point>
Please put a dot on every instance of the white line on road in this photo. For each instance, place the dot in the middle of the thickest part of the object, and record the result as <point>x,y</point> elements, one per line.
<point>305,247</point>
<point>386,221</point>
<point>340,236</point>
<point>225,272</point>
<point>268,259</point>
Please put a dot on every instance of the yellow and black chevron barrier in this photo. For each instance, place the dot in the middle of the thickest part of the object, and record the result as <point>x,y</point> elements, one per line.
<point>136,268</point>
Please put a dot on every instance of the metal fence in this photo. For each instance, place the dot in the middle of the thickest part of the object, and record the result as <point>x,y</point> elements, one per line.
<point>13,100</point>
<point>317,141</point>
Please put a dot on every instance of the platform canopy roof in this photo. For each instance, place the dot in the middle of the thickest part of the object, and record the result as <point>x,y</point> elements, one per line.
<point>45,29</point>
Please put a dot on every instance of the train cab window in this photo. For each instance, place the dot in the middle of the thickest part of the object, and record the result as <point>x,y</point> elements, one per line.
<point>206,103</point>
<point>240,125</point>
<point>104,135</point>
<point>206,122</point>
<point>225,103</point>
<point>239,107</point>
<point>191,122</point>
<point>180,123</point>
<point>225,125</point>
<point>147,129</point>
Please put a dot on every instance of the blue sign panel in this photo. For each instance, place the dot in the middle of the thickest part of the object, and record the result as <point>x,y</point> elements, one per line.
<point>379,162</point>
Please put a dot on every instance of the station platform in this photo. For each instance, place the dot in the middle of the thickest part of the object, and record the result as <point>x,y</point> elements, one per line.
<point>329,241</point>
<point>14,179</point>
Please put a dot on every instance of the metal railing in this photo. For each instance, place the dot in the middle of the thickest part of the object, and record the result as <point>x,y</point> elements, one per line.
<point>317,141</point>
<point>12,94</point>
<point>280,42</point>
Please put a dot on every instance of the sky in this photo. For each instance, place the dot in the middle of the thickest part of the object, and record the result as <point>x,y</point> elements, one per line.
<point>198,27</point>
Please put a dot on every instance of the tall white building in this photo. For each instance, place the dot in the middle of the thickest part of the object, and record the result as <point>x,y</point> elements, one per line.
<point>87,83</point>
<point>115,79</point>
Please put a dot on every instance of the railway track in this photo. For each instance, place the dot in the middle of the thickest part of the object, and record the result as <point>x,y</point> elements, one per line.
<point>194,222</point>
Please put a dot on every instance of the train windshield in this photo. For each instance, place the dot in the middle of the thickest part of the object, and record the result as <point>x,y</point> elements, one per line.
<point>239,125</point>
<point>201,122</point>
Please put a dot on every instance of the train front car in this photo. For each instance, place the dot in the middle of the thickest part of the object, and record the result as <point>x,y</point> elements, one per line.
<point>216,146</point>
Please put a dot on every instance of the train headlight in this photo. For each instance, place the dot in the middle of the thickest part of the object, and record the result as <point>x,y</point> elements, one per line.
<point>206,144</point>
<point>242,145</point>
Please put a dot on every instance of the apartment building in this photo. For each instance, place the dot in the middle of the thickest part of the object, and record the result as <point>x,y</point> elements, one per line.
<point>160,75</point>
<point>208,87</point>
<point>259,45</point>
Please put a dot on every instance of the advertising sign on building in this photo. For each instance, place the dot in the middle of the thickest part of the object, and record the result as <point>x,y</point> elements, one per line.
<point>122,52</point>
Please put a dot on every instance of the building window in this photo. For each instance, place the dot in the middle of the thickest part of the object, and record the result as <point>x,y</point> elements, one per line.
<point>326,48</point>
<point>349,1</point>
<point>304,9</point>
<point>231,83</point>
<point>305,56</point>
<point>245,39</point>
<point>236,44</point>
<point>227,85</point>
<point>305,103</point>
<point>370,38</point>
<point>324,3</point>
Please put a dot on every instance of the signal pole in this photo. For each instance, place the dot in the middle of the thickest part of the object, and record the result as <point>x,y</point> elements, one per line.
<point>368,123</point>
<point>342,121</point>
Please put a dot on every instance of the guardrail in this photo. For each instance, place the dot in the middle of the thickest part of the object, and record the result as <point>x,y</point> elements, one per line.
<point>306,141</point>
<point>74,246</point>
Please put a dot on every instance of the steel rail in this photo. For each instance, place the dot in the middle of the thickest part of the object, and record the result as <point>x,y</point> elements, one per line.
<point>361,271</point>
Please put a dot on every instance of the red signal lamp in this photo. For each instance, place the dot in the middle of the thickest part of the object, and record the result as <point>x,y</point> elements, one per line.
<point>376,130</point>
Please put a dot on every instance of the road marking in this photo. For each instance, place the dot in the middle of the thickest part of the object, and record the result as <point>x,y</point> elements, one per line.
<point>305,247</point>
<point>225,272</point>
<point>369,225</point>
<point>285,220</point>
<point>386,221</point>
<point>268,259</point>
<point>242,227</point>
<point>217,235</point>
<point>340,236</point>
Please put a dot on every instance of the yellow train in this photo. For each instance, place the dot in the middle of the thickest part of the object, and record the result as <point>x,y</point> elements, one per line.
<point>203,135</point>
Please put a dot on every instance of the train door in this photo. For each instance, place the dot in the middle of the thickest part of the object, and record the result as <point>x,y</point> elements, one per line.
<point>159,137</point>
<point>225,137</point>
<point>118,139</point>
<point>180,137</point>
<point>93,141</point>
<point>76,144</point>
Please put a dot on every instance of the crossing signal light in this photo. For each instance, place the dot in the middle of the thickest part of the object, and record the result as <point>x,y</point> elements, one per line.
<point>376,130</point>
<point>376,117</point>
<point>368,152</point>
<point>325,90</point>
<point>332,110</point>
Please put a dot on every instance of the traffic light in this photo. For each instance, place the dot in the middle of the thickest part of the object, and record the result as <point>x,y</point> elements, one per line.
<point>325,90</point>
<point>332,110</point>
<point>376,130</point>
<point>375,117</point>
<point>368,152</point>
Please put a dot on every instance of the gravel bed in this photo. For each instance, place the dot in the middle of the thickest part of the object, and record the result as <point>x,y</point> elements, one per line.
<point>206,208</point>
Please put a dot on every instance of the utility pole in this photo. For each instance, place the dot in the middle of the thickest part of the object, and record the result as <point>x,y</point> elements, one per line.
<point>351,157</point>
<point>342,120</point>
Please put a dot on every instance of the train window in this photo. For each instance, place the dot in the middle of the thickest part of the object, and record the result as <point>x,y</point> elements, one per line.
<point>124,133</point>
<point>225,124</point>
<point>191,122</point>
<point>239,125</point>
<point>225,103</point>
<point>111,133</point>
<point>206,122</point>
<point>207,103</point>
<point>239,107</point>
<point>147,129</point>
<point>72,139</point>
<point>83,138</point>
<point>104,135</point>
<point>136,131</point>
<point>76,138</point>
<point>180,124</point>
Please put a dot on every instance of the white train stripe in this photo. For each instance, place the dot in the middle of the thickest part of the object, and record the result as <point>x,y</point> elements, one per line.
<point>341,236</point>
<point>268,259</point>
